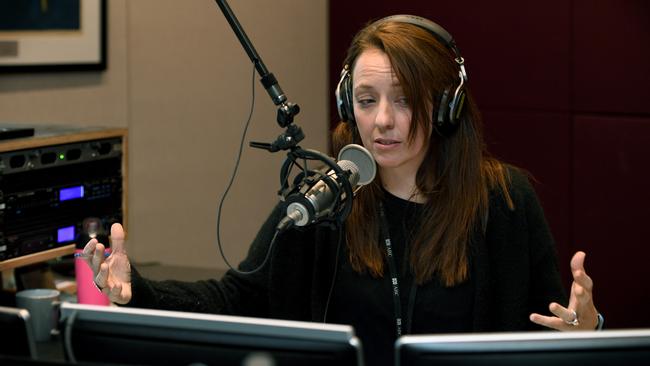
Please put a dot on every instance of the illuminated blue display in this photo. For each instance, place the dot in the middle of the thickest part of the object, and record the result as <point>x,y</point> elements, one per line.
<point>71,193</point>
<point>65,234</point>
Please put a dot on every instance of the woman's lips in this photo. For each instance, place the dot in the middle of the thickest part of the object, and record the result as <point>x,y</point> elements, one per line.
<point>386,143</point>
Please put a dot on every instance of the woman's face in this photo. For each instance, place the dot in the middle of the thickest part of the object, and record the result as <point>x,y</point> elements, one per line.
<point>383,114</point>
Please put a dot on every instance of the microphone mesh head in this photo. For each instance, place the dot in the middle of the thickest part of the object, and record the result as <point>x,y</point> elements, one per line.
<point>352,167</point>
<point>362,158</point>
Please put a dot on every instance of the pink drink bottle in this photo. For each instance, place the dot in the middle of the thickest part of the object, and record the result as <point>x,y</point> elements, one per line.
<point>87,292</point>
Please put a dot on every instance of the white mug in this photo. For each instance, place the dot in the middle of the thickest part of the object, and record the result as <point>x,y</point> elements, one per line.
<point>43,307</point>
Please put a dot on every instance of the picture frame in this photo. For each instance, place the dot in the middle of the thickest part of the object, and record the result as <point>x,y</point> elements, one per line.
<point>64,35</point>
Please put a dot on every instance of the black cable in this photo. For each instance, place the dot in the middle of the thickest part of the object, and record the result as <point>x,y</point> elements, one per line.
<point>225,193</point>
<point>266,258</point>
<point>234,173</point>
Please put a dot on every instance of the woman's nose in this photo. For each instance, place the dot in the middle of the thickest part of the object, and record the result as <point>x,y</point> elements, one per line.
<point>385,118</point>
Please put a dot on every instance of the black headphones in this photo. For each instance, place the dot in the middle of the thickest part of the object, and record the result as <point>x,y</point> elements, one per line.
<point>447,117</point>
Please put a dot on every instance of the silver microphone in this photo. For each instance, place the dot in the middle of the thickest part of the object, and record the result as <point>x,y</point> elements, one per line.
<point>307,208</point>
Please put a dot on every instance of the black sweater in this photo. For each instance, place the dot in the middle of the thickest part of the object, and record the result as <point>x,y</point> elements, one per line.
<point>367,303</point>
<point>513,267</point>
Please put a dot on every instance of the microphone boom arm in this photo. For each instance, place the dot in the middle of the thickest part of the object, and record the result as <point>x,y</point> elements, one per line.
<point>293,134</point>
<point>286,110</point>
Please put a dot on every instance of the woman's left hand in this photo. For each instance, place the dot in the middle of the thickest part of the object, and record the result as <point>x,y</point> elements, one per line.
<point>581,313</point>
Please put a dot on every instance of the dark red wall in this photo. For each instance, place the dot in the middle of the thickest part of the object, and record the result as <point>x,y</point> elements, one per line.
<point>563,86</point>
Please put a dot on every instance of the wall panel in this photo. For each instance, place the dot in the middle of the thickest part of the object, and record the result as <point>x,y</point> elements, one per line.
<point>611,200</point>
<point>539,143</point>
<point>611,56</point>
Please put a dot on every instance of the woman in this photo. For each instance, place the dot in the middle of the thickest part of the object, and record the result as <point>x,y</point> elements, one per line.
<point>446,239</point>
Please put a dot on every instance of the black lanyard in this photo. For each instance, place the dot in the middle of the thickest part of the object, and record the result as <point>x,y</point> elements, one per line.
<point>392,267</point>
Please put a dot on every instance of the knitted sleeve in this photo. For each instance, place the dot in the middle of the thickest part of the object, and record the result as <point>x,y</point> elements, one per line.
<point>234,294</point>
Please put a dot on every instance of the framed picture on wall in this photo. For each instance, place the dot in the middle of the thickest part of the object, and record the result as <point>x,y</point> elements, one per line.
<point>52,35</point>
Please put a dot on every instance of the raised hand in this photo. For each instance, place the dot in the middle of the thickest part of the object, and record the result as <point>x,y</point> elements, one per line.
<point>581,314</point>
<point>112,274</point>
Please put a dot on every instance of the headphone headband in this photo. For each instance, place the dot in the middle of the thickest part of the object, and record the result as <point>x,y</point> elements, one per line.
<point>434,28</point>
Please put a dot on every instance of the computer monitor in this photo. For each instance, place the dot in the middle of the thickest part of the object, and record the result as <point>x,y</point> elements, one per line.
<point>610,347</point>
<point>156,337</point>
<point>15,326</point>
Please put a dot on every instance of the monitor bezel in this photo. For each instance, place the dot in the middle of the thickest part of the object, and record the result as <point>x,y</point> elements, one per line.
<point>22,317</point>
<point>508,342</point>
<point>236,325</point>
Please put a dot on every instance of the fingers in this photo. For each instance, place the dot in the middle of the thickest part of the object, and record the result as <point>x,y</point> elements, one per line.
<point>88,252</point>
<point>93,255</point>
<point>108,287</point>
<point>101,279</point>
<point>561,321</point>
<point>117,238</point>
<point>582,286</point>
<point>580,296</point>
<point>581,313</point>
<point>98,256</point>
<point>547,321</point>
<point>120,293</point>
<point>117,291</point>
<point>112,274</point>
<point>578,261</point>
<point>565,314</point>
<point>580,276</point>
<point>582,293</point>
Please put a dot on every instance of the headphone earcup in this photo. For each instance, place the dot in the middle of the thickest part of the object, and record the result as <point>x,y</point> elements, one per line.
<point>456,107</point>
<point>449,112</point>
<point>344,97</point>
<point>441,116</point>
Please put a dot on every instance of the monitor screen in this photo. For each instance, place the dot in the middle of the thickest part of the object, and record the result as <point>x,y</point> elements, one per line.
<point>609,347</point>
<point>156,337</point>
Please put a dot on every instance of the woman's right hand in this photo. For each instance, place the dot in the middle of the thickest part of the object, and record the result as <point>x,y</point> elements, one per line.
<point>112,275</point>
